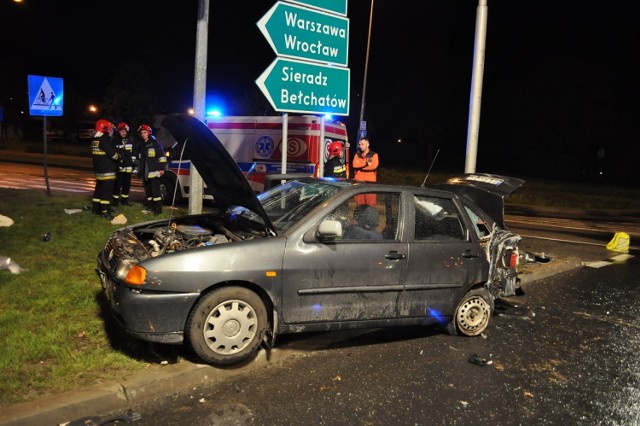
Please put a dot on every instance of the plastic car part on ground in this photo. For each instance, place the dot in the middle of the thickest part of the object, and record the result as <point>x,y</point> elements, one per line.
<point>119,220</point>
<point>5,221</point>
<point>7,263</point>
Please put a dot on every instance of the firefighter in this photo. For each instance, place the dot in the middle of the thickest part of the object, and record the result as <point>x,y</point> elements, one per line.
<point>334,166</point>
<point>153,164</point>
<point>128,150</point>
<point>365,163</point>
<point>105,164</point>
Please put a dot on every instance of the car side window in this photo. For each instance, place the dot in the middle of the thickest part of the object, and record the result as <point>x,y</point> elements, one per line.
<point>369,216</point>
<point>437,219</point>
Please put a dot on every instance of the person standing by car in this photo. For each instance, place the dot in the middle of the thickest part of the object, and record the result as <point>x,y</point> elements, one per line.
<point>334,166</point>
<point>128,150</point>
<point>153,163</point>
<point>365,163</point>
<point>105,164</point>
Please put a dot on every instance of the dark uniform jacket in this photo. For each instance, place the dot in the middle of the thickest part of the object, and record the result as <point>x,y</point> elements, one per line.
<point>105,157</point>
<point>152,159</point>
<point>334,167</point>
<point>128,151</point>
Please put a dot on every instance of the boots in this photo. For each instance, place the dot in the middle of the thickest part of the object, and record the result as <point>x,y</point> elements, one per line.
<point>124,201</point>
<point>157,208</point>
<point>96,209</point>
<point>115,201</point>
<point>107,214</point>
<point>147,207</point>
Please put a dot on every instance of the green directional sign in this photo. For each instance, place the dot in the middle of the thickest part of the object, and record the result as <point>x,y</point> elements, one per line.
<point>337,6</point>
<point>304,87</point>
<point>306,34</point>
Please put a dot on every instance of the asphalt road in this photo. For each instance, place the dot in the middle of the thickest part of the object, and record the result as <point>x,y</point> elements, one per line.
<point>566,354</point>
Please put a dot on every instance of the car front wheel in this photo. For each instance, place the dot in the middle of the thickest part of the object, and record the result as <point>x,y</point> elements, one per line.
<point>472,314</point>
<point>227,326</point>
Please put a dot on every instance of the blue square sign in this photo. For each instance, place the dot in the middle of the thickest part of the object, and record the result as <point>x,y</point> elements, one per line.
<point>45,96</point>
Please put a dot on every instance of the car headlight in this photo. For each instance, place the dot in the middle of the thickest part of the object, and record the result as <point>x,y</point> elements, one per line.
<point>123,268</point>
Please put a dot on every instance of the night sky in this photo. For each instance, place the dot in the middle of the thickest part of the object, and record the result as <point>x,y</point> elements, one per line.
<point>560,82</point>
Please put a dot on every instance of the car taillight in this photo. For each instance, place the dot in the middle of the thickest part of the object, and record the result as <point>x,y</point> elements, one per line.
<point>510,258</point>
<point>515,256</point>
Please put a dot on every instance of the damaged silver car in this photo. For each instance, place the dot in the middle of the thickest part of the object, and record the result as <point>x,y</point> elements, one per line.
<point>309,255</point>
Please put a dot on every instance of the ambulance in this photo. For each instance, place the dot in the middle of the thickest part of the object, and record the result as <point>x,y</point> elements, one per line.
<point>255,143</point>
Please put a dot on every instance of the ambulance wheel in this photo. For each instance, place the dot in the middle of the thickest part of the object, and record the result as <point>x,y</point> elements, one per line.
<point>167,188</point>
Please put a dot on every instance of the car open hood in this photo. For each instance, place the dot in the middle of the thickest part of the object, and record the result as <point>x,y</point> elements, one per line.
<point>485,190</point>
<point>218,170</point>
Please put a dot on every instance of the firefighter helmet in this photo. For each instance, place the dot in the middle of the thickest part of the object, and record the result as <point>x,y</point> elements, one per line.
<point>123,126</point>
<point>335,148</point>
<point>145,127</point>
<point>104,126</point>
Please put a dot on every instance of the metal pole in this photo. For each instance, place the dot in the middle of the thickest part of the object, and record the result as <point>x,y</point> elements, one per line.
<point>323,120</point>
<point>199,98</point>
<point>366,68</point>
<point>46,167</point>
<point>284,144</point>
<point>476,87</point>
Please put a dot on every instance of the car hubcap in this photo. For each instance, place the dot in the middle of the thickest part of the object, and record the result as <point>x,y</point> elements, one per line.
<point>473,316</point>
<point>230,327</point>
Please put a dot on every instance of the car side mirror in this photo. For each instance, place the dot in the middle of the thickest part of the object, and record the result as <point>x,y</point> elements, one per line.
<point>328,230</point>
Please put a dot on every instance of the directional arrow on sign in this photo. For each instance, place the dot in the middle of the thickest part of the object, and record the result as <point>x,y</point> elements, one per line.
<point>304,87</point>
<point>302,33</point>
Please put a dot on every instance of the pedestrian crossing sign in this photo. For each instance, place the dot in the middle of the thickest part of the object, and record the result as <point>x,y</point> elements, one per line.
<point>45,96</point>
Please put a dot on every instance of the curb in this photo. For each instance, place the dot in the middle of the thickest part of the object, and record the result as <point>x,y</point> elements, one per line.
<point>120,396</point>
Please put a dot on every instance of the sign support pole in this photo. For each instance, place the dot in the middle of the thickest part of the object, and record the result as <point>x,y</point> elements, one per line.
<point>322,147</point>
<point>46,168</point>
<point>196,187</point>
<point>284,145</point>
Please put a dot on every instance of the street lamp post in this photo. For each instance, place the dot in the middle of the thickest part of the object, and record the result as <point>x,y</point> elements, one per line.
<point>476,87</point>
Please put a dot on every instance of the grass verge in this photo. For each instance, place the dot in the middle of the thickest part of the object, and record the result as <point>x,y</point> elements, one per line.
<point>56,335</point>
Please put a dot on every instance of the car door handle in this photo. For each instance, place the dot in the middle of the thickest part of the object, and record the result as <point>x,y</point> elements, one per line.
<point>394,255</point>
<point>469,254</point>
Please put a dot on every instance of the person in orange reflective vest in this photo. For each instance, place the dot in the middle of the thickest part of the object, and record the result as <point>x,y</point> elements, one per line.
<point>365,163</point>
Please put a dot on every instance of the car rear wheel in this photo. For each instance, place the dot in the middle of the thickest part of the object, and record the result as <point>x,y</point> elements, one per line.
<point>472,314</point>
<point>227,326</point>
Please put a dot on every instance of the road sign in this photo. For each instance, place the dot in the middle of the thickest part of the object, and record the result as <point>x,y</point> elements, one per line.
<point>302,33</point>
<point>45,95</point>
<point>304,87</point>
<point>337,6</point>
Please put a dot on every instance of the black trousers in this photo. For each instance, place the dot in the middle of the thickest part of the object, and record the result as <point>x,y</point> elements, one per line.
<point>103,193</point>
<point>123,186</point>
<point>153,193</point>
